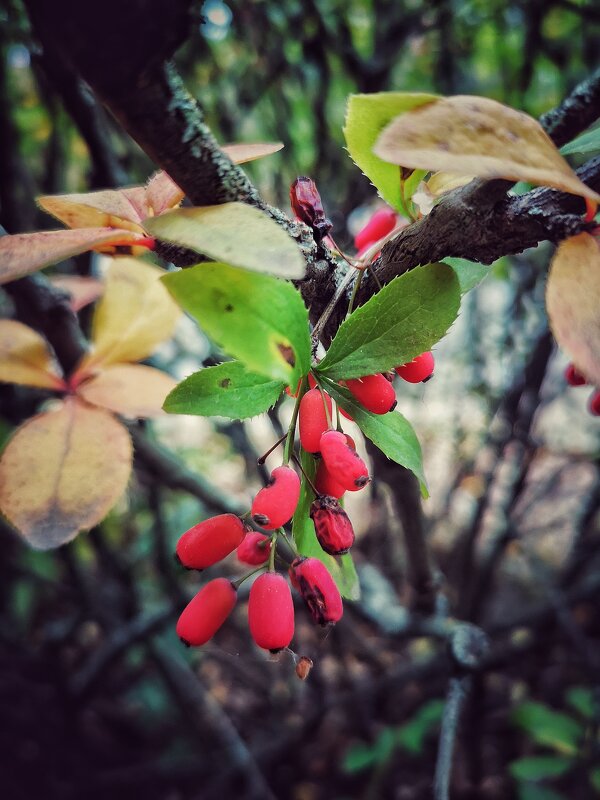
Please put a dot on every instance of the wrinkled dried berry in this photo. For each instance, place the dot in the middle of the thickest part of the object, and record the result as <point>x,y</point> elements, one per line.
<point>318,590</point>
<point>332,526</point>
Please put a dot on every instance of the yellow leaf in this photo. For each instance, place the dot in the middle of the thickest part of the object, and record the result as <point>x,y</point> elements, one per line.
<point>479,137</point>
<point>162,193</point>
<point>25,357</point>
<point>109,208</point>
<point>442,182</point>
<point>135,314</point>
<point>130,389</point>
<point>62,471</point>
<point>27,252</point>
<point>250,151</point>
<point>573,302</point>
<point>83,291</point>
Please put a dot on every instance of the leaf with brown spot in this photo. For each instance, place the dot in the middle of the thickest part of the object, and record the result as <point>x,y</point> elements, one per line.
<point>25,357</point>
<point>241,153</point>
<point>133,390</point>
<point>62,471</point>
<point>479,137</point>
<point>24,253</point>
<point>573,302</point>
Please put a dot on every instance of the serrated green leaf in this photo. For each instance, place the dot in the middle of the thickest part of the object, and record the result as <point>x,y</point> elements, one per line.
<point>391,433</point>
<point>530,791</point>
<point>582,700</point>
<point>406,318</point>
<point>303,530</point>
<point>538,768</point>
<point>366,116</point>
<point>235,233</point>
<point>548,727</point>
<point>227,390</point>
<point>469,273</point>
<point>257,319</point>
<point>587,143</point>
<point>411,736</point>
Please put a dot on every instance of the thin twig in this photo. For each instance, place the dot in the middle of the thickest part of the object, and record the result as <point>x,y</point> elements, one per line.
<point>458,689</point>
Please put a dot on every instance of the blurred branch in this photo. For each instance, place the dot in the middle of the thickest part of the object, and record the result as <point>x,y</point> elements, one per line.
<point>458,690</point>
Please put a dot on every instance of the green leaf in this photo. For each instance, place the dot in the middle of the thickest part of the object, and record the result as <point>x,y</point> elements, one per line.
<point>412,735</point>
<point>549,727</point>
<point>391,433</point>
<point>587,143</point>
<point>303,530</point>
<point>594,777</point>
<point>406,318</point>
<point>366,116</point>
<point>257,319</point>
<point>235,233</point>
<point>227,390</point>
<point>538,768</point>
<point>530,791</point>
<point>582,700</point>
<point>359,757</point>
<point>469,273</point>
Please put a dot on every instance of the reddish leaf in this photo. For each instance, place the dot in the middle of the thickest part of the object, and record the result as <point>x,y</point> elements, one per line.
<point>133,390</point>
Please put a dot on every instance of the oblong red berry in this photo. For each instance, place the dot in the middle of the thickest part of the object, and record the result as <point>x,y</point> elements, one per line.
<point>274,505</point>
<point>206,612</point>
<point>332,526</point>
<point>210,541</point>
<point>326,484</point>
<point>318,590</point>
<point>594,404</point>
<point>374,392</point>
<point>312,419</point>
<point>271,612</point>
<point>344,464</point>
<point>417,370</point>
<point>254,549</point>
<point>307,206</point>
<point>574,377</point>
<point>381,223</point>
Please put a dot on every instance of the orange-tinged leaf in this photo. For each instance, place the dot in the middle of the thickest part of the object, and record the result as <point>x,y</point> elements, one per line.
<point>242,152</point>
<point>479,137</point>
<point>24,253</point>
<point>162,193</point>
<point>62,471</point>
<point>136,195</point>
<point>573,302</point>
<point>130,389</point>
<point>109,208</point>
<point>25,357</point>
<point>83,291</point>
<point>135,314</point>
<point>442,182</point>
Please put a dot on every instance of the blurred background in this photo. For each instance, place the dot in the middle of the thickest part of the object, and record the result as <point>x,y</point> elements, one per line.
<point>98,698</point>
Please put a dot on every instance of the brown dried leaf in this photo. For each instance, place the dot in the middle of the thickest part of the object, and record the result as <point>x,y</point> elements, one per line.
<point>130,389</point>
<point>250,151</point>
<point>62,471</point>
<point>573,302</point>
<point>24,253</point>
<point>25,357</point>
<point>480,137</point>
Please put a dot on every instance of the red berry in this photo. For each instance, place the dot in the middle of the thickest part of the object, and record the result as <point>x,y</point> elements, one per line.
<point>418,370</point>
<point>326,484</point>
<point>312,419</point>
<point>345,414</point>
<point>374,392</point>
<point>574,377</point>
<point>594,404</point>
<point>343,463</point>
<point>274,505</point>
<point>208,610</point>
<point>271,612</point>
<point>306,205</point>
<point>254,549</point>
<point>318,590</point>
<point>332,526</point>
<point>381,223</point>
<point>210,541</point>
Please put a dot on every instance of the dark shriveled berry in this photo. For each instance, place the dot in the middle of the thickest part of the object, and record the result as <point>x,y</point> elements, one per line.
<point>274,505</point>
<point>307,206</point>
<point>210,541</point>
<point>332,526</point>
<point>271,612</point>
<point>344,464</point>
<point>206,612</point>
<point>318,590</point>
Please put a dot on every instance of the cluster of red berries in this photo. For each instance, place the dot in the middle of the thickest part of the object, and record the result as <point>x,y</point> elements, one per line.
<point>575,377</point>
